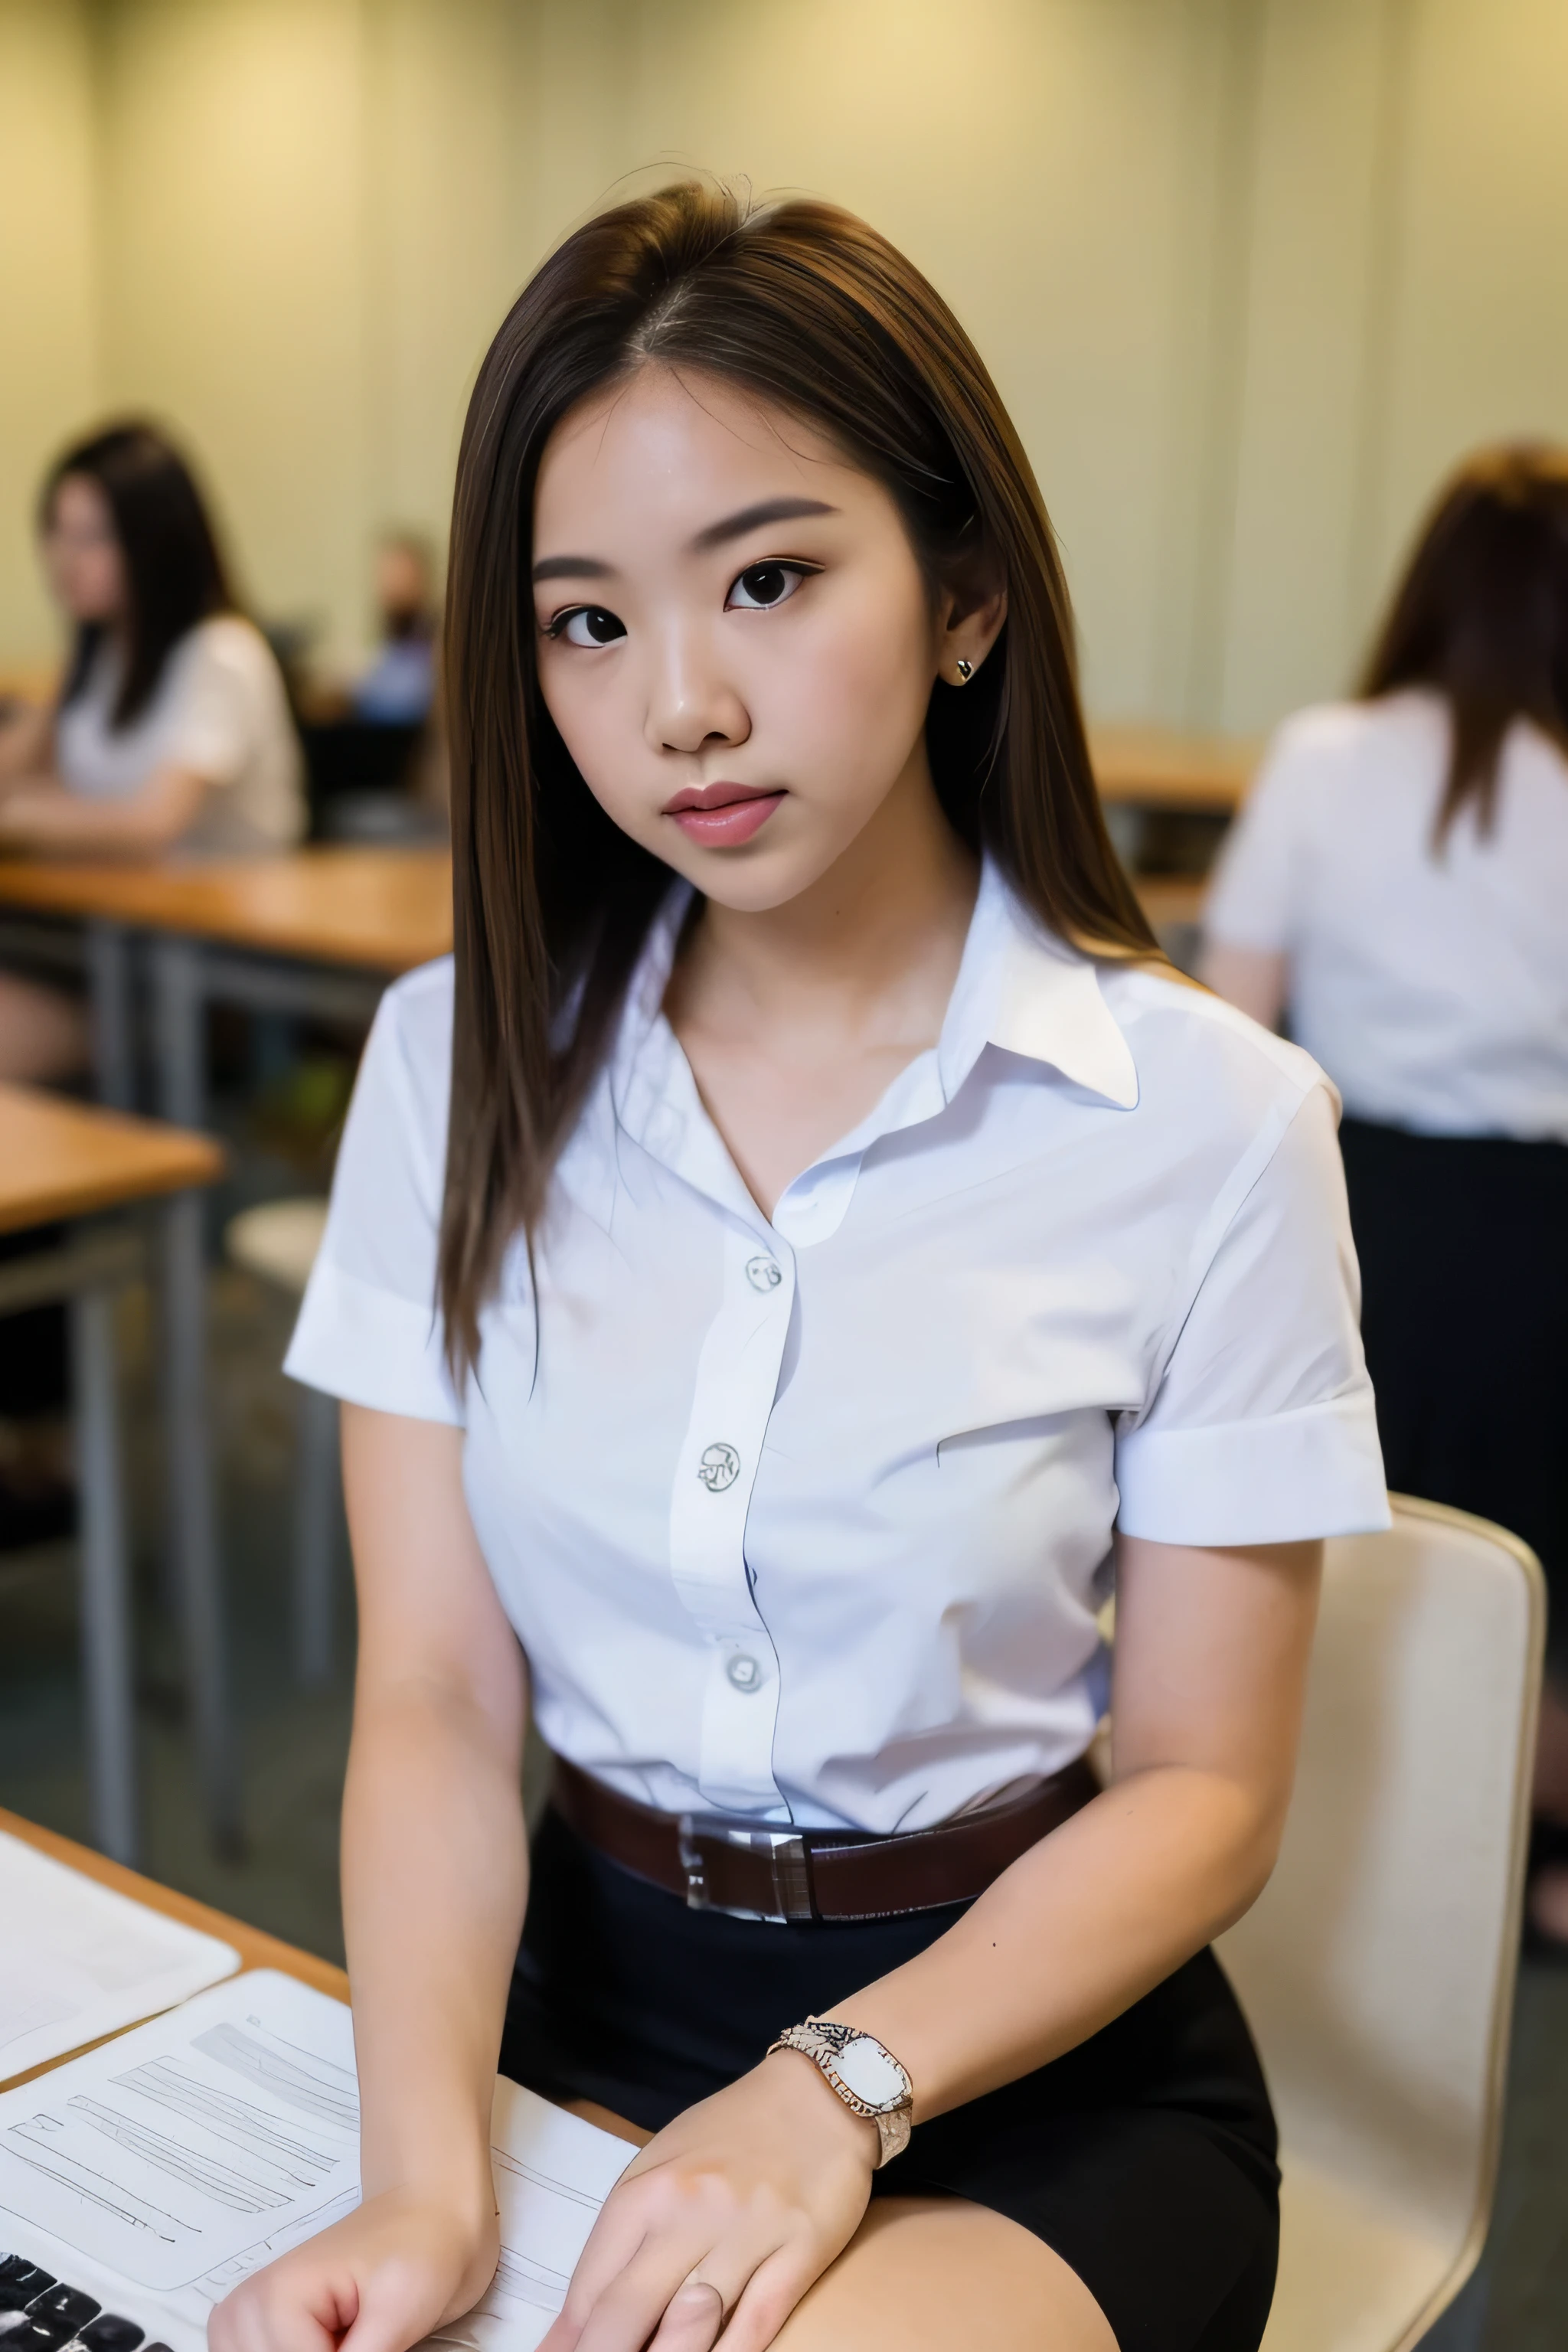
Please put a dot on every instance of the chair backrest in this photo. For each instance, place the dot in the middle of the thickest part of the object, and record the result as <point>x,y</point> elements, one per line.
<point>1378,1968</point>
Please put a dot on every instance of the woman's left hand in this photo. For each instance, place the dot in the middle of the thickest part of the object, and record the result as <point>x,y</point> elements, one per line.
<point>724,2220</point>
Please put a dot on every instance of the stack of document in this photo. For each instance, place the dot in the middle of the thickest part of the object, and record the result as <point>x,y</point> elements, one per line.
<point>149,2175</point>
<point>78,1961</point>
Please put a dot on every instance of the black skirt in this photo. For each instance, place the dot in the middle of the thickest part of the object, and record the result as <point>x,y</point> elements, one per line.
<point>1463,1242</point>
<point>1145,2158</point>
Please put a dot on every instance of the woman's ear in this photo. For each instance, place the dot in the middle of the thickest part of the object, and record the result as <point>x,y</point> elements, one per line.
<point>972,617</point>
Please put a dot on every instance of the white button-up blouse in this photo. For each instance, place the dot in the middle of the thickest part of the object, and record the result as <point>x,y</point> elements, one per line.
<point>806,1520</point>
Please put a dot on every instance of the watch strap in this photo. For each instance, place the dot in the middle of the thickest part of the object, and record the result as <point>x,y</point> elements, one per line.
<point>824,2044</point>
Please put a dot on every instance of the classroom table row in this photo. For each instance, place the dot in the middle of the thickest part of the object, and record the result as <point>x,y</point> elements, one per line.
<point>83,1182</point>
<point>315,932</point>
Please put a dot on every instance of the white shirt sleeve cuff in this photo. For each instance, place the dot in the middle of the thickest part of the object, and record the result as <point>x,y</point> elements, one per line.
<point>371,1348</point>
<point>1295,1476</point>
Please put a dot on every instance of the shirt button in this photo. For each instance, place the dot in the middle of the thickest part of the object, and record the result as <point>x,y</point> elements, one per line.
<point>720,1467</point>
<point>763,1273</point>
<point>744,1673</point>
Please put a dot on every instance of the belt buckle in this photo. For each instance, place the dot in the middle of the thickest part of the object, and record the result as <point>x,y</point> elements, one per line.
<point>785,1852</point>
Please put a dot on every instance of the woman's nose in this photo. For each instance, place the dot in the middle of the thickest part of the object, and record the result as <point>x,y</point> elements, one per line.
<point>691,701</point>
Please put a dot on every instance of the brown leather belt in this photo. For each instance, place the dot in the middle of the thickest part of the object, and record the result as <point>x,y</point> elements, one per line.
<point>718,1865</point>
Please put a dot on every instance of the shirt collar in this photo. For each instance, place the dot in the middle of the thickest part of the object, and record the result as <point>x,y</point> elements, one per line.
<point>1023,990</point>
<point>1019,988</point>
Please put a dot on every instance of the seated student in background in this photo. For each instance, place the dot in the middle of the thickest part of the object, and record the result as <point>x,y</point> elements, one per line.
<point>172,728</point>
<point>399,686</point>
<point>1397,885</point>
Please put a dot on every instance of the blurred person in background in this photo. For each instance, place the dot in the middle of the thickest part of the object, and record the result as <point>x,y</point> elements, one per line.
<point>1397,887</point>
<point>172,728</point>
<point>399,686</point>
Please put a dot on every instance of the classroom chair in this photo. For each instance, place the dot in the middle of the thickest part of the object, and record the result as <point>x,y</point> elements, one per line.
<point>278,1242</point>
<point>1378,1968</point>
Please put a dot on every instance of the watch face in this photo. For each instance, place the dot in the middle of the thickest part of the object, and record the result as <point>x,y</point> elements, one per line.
<point>864,2068</point>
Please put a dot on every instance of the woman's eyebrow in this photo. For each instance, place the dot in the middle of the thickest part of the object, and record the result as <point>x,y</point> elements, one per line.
<point>572,567</point>
<point>736,526</point>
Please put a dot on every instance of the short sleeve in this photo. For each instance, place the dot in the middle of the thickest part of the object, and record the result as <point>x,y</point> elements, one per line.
<point>1262,1428</point>
<point>212,724</point>
<point>1254,899</point>
<point>369,1330</point>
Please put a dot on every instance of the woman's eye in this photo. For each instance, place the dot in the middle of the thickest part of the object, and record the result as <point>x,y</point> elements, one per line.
<point>764,584</point>
<point>590,624</point>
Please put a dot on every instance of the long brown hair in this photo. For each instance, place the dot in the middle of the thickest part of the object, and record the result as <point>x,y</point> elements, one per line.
<point>1481,616</point>
<point>805,306</point>
<point>174,573</point>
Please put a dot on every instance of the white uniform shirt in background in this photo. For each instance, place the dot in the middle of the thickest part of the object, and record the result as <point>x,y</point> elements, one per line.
<point>220,709</point>
<point>1431,986</point>
<point>806,1520</point>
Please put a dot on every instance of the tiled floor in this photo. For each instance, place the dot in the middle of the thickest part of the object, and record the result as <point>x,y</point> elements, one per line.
<point>295,1745</point>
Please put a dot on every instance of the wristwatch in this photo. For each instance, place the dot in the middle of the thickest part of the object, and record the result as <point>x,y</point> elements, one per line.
<point>867,2078</point>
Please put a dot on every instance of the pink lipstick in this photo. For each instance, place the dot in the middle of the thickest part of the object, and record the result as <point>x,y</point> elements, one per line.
<point>722,816</point>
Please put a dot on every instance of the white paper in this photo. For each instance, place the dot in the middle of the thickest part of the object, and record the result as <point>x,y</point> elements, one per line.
<point>78,1961</point>
<point>553,2173</point>
<point>160,2170</point>
<point>190,2150</point>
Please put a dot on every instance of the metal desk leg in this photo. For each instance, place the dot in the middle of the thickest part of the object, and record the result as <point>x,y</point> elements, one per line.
<point>107,1655</point>
<point>192,1518</point>
<point>109,981</point>
<point>178,1007</point>
<point>318,1510</point>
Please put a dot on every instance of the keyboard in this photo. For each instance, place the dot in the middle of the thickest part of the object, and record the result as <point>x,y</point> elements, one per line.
<point>41,2313</point>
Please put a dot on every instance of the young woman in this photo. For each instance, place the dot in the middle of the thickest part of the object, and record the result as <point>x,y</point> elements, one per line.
<point>1397,883</point>
<point>803,1234</point>
<point>172,727</point>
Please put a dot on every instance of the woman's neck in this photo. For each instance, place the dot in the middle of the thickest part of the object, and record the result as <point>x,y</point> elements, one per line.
<point>887,922</point>
<point>795,1020</point>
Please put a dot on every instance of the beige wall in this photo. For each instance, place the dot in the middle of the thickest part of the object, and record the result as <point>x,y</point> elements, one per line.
<point>233,290</point>
<point>1409,213</point>
<point>1249,272</point>
<point>47,340</point>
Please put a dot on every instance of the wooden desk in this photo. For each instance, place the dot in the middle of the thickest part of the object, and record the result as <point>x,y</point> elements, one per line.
<point>383,910</point>
<point>318,930</point>
<point>62,1164</point>
<point>256,1949</point>
<point>59,1160</point>
<point>1159,768</point>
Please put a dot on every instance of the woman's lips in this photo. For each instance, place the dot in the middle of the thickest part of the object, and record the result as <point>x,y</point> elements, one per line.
<point>722,816</point>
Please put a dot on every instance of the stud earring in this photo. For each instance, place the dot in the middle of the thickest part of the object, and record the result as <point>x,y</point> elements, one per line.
<point>965,672</point>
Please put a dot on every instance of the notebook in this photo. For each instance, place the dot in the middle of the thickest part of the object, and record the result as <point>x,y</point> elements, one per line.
<point>146,2178</point>
<point>78,1961</point>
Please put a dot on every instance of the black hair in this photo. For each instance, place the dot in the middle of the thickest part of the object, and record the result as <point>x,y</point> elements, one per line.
<point>174,573</point>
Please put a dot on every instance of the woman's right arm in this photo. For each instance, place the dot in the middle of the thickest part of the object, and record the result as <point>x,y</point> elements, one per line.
<point>434,1876</point>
